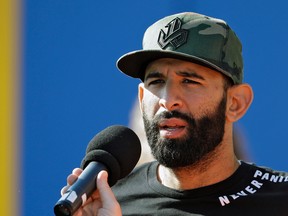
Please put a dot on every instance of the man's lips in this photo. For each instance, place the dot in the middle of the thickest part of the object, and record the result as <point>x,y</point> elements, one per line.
<point>172,128</point>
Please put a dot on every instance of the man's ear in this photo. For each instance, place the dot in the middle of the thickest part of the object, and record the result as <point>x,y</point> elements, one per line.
<point>140,95</point>
<point>239,100</point>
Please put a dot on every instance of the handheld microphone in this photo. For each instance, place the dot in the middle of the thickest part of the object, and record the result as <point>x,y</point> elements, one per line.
<point>117,150</point>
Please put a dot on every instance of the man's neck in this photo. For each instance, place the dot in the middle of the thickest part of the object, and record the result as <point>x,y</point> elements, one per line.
<point>207,172</point>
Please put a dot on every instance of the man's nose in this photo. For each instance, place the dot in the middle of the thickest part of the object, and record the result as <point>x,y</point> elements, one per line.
<point>170,98</point>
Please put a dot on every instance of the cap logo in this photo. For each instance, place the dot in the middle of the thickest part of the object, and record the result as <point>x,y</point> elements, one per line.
<point>175,36</point>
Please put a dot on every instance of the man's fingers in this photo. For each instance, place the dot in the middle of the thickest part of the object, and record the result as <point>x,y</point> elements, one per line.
<point>71,179</point>
<point>64,189</point>
<point>77,171</point>
<point>74,176</point>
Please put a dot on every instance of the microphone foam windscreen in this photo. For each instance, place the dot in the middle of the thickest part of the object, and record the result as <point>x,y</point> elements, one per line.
<point>118,148</point>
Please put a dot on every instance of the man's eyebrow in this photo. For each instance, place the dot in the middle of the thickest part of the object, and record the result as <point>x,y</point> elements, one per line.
<point>190,74</point>
<point>153,74</point>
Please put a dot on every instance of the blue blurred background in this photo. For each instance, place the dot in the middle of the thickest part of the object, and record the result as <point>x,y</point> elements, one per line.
<point>72,89</point>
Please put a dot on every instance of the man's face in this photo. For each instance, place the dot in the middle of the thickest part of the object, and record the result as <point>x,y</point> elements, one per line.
<point>184,106</point>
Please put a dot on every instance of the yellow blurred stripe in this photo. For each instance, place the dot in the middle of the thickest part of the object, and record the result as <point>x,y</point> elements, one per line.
<point>9,107</point>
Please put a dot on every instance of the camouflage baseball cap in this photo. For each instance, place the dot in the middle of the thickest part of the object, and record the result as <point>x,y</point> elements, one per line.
<point>191,37</point>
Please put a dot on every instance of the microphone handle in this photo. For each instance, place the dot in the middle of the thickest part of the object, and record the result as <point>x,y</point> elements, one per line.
<point>80,191</point>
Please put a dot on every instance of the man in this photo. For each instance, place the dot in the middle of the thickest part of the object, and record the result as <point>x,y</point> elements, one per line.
<point>191,94</point>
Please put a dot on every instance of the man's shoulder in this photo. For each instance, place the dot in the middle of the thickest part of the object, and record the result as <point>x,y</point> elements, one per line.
<point>267,177</point>
<point>265,169</point>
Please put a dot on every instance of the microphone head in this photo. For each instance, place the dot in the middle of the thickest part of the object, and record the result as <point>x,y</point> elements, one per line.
<point>118,148</point>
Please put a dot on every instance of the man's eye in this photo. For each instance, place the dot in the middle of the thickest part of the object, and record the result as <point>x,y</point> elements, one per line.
<point>190,81</point>
<point>155,82</point>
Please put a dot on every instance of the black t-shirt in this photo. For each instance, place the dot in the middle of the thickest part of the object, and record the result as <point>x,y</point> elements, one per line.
<point>251,190</point>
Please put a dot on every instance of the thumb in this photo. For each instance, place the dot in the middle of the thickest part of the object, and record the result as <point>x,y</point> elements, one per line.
<point>109,202</point>
<point>105,191</point>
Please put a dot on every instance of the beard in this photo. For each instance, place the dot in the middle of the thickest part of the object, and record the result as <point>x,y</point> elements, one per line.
<point>197,146</point>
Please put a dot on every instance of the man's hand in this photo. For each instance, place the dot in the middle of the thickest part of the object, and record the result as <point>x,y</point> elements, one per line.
<point>102,202</point>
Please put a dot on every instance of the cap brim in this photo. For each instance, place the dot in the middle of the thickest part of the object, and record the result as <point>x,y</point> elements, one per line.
<point>134,63</point>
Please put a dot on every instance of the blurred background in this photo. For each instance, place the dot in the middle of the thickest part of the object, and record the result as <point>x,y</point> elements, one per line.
<point>59,84</point>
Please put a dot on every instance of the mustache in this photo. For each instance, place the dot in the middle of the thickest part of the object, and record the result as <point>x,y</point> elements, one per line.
<point>173,114</point>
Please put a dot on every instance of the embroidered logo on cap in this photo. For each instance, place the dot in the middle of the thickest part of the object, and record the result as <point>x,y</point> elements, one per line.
<point>175,36</point>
